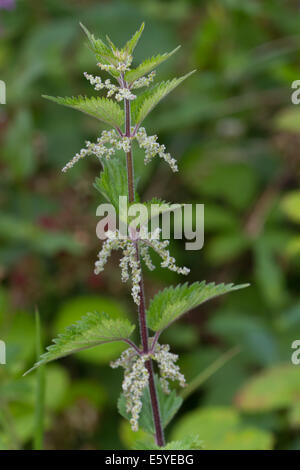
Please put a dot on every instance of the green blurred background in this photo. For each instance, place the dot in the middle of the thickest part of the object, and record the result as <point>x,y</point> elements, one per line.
<point>236,135</point>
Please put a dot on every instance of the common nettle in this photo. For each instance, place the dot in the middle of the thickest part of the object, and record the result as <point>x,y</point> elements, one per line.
<point>146,399</point>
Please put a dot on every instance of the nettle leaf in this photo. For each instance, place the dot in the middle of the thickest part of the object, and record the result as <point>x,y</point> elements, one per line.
<point>155,207</point>
<point>92,330</point>
<point>112,182</point>
<point>99,48</point>
<point>168,404</point>
<point>169,304</point>
<point>148,65</point>
<point>187,443</point>
<point>146,101</point>
<point>222,428</point>
<point>105,110</point>
<point>131,44</point>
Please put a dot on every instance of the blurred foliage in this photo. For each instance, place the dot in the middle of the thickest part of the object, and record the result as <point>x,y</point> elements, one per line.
<point>236,135</point>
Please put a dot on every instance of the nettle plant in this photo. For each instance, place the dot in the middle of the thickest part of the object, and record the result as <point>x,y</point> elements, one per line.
<point>146,399</point>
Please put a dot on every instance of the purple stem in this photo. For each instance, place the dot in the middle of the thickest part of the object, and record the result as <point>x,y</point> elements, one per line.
<point>159,434</point>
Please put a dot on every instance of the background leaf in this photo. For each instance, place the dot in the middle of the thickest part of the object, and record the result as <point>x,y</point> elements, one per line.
<point>223,430</point>
<point>274,389</point>
<point>91,330</point>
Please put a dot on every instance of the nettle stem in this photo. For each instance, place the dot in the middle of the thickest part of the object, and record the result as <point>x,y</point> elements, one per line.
<point>159,434</point>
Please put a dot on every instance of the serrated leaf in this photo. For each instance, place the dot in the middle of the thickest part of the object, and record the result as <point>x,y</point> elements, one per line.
<point>294,415</point>
<point>168,404</point>
<point>187,443</point>
<point>99,47</point>
<point>131,44</point>
<point>148,65</point>
<point>273,389</point>
<point>112,182</point>
<point>169,304</point>
<point>105,110</point>
<point>145,102</point>
<point>155,207</point>
<point>112,46</point>
<point>92,330</point>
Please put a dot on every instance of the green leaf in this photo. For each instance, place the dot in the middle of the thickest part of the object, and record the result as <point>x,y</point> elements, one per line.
<point>112,46</point>
<point>221,428</point>
<point>105,110</point>
<point>99,47</point>
<point>269,277</point>
<point>104,54</point>
<point>112,182</point>
<point>168,404</point>
<point>146,101</point>
<point>131,44</point>
<point>129,438</point>
<point>14,229</point>
<point>186,443</point>
<point>90,331</point>
<point>288,119</point>
<point>148,65</point>
<point>290,205</point>
<point>169,304</point>
<point>272,389</point>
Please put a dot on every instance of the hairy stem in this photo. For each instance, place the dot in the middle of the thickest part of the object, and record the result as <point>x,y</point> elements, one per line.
<point>159,434</point>
<point>130,172</point>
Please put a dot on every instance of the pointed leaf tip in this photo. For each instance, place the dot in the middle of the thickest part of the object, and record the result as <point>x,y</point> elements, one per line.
<point>92,330</point>
<point>173,302</point>
<point>146,101</point>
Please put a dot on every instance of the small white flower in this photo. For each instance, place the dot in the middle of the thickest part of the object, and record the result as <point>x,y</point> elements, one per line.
<point>141,241</point>
<point>167,367</point>
<point>136,376</point>
<point>144,81</point>
<point>153,148</point>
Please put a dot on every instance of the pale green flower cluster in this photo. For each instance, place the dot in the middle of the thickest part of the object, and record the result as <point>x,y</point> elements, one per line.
<point>136,376</point>
<point>122,66</point>
<point>106,146</point>
<point>144,81</point>
<point>129,244</point>
<point>153,148</point>
<point>110,141</point>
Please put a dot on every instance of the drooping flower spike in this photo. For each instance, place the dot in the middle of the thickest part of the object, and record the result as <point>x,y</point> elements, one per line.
<point>129,261</point>
<point>111,141</point>
<point>136,376</point>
